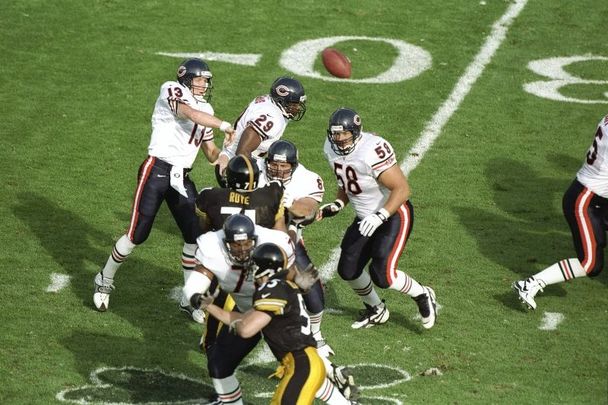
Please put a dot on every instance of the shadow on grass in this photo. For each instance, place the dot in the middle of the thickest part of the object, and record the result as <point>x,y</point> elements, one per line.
<point>141,298</point>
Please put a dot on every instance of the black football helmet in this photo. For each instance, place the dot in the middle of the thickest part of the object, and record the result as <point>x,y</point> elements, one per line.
<point>242,174</point>
<point>344,119</point>
<point>288,93</point>
<point>281,151</point>
<point>268,259</point>
<point>191,68</point>
<point>239,238</point>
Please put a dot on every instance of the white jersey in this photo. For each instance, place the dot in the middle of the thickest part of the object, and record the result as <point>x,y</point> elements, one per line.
<point>266,118</point>
<point>303,183</point>
<point>176,140</point>
<point>594,173</point>
<point>211,253</point>
<point>357,173</point>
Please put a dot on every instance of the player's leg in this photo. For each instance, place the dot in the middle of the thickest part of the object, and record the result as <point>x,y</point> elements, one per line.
<point>388,243</point>
<point>585,213</point>
<point>223,357</point>
<point>314,299</point>
<point>183,211</point>
<point>356,252</point>
<point>302,376</point>
<point>148,197</point>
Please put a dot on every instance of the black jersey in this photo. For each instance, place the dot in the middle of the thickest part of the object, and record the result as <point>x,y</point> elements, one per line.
<point>289,329</point>
<point>262,205</point>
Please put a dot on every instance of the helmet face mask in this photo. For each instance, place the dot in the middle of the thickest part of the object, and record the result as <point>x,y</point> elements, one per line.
<point>242,174</point>
<point>267,260</point>
<point>239,238</point>
<point>191,69</point>
<point>344,130</point>
<point>288,94</point>
<point>281,161</point>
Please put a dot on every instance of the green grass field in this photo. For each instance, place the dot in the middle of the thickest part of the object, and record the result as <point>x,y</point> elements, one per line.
<point>79,81</point>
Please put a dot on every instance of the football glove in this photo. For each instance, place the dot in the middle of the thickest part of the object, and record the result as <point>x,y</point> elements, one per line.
<point>202,301</point>
<point>371,222</point>
<point>331,209</point>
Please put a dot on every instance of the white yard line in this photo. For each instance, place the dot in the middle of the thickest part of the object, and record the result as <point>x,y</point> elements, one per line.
<point>58,282</point>
<point>434,126</point>
<point>551,320</point>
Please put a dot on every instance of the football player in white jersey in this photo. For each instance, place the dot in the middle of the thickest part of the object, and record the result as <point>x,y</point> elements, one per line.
<point>585,206</point>
<point>182,123</point>
<point>265,120</point>
<point>371,180</point>
<point>223,257</point>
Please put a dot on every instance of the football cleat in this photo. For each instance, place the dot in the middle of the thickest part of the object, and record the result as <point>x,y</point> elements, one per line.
<point>324,349</point>
<point>371,316</point>
<point>103,288</point>
<point>197,315</point>
<point>527,289</point>
<point>427,306</point>
<point>342,378</point>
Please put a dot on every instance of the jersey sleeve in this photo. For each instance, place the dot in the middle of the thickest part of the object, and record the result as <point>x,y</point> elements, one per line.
<point>266,124</point>
<point>174,93</point>
<point>271,298</point>
<point>381,157</point>
<point>306,183</point>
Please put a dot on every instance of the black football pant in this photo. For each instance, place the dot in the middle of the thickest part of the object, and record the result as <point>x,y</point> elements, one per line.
<point>154,187</point>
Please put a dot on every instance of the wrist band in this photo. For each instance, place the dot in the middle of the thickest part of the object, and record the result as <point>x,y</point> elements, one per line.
<point>339,203</point>
<point>383,214</point>
<point>224,126</point>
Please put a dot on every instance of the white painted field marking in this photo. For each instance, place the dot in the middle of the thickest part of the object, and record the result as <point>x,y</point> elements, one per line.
<point>175,294</point>
<point>433,128</point>
<point>247,59</point>
<point>551,320</point>
<point>58,282</point>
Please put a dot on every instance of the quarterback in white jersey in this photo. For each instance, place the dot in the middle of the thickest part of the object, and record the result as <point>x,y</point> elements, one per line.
<point>585,207</point>
<point>371,180</point>
<point>265,119</point>
<point>182,124</point>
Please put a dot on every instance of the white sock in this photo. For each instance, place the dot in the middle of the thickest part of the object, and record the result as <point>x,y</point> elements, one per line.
<point>315,325</point>
<point>329,394</point>
<point>228,390</point>
<point>561,271</point>
<point>188,256</point>
<point>406,285</point>
<point>120,252</point>
<point>365,290</point>
<point>188,259</point>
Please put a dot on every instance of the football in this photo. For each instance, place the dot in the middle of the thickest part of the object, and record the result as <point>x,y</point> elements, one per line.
<point>336,63</point>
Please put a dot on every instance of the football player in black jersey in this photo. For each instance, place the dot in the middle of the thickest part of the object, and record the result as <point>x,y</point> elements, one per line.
<point>279,313</point>
<point>242,196</point>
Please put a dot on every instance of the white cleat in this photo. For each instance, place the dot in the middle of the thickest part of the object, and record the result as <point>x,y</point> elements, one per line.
<point>427,306</point>
<point>527,289</point>
<point>342,378</point>
<point>371,316</point>
<point>197,315</point>
<point>103,288</point>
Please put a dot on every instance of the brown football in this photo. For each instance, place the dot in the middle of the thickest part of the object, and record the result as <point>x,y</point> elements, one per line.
<point>336,63</point>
